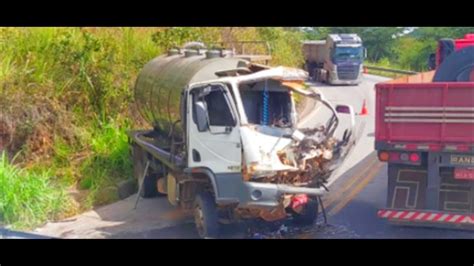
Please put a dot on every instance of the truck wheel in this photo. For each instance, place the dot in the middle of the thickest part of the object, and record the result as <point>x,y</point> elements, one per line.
<point>149,189</point>
<point>308,215</point>
<point>446,47</point>
<point>205,215</point>
<point>456,67</point>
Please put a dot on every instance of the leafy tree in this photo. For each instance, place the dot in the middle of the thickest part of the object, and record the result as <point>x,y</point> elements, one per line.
<point>412,50</point>
<point>315,33</point>
<point>413,53</point>
<point>436,33</point>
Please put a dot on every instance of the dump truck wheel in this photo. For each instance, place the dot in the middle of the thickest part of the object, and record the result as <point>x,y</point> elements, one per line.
<point>308,215</point>
<point>456,67</point>
<point>149,189</point>
<point>446,46</point>
<point>205,215</point>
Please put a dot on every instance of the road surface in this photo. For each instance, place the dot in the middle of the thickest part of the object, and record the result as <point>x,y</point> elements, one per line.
<point>358,189</point>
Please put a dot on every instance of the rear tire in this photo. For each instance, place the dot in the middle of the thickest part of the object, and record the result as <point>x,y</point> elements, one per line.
<point>308,215</point>
<point>205,215</point>
<point>456,67</point>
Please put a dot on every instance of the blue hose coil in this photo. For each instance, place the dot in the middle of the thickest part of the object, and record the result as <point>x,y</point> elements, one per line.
<point>265,106</point>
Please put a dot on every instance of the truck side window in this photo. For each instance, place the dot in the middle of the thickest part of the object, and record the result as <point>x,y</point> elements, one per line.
<point>218,109</point>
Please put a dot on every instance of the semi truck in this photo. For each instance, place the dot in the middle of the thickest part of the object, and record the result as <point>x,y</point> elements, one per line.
<point>425,133</point>
<point>337,60</point>
<point>223,140</point>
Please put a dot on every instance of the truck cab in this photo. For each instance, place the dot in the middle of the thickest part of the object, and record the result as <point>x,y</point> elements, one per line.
<point>338,60</point>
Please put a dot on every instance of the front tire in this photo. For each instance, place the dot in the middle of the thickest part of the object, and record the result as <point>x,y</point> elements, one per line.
<point>308,215</point>
<point>205,215</point>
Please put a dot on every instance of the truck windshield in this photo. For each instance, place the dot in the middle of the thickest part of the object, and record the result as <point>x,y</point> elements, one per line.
<point>267,103</point>
<point>348,53</point>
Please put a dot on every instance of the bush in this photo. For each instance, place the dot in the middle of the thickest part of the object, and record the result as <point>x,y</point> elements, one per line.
<point>28,198</point>
<point>413,53</point>
<point>108,164</point>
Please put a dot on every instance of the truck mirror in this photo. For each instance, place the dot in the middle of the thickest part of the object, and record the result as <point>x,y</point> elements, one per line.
<point>201,116</point>
<point>204,92</point>
<point>432,61</point>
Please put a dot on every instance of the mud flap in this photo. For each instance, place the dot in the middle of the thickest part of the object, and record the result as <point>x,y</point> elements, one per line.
<point>406,187</point>
<point>455,195</point>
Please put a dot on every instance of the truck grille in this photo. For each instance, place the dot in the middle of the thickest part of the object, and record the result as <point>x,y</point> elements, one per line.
<point>348,72</point>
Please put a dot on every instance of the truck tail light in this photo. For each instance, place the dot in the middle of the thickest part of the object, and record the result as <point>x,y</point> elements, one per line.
<point>404,157</point>
<point>462,148</point>
<point>383,156</point>
<point>414,157</point>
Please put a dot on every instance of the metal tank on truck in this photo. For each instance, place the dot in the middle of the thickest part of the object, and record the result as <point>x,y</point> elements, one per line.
<point>337,60</point>
<point>224,140</point>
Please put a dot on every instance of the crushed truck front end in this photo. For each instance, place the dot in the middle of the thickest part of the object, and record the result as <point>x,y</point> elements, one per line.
<point>338,60</point>
<point>280,163</point>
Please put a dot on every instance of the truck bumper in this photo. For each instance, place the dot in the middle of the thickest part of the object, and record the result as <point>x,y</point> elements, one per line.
<point>345,82</point>
<point>232,189</point>
<point>428,218</point>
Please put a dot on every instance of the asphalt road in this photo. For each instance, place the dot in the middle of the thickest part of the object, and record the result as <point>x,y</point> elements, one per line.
<point>358,189</point>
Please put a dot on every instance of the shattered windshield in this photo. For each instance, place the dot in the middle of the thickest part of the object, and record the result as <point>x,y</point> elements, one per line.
<point>267,103</point>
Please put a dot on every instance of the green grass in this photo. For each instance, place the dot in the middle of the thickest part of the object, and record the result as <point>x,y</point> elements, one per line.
<point>28,198</point>
<point>108,165</point>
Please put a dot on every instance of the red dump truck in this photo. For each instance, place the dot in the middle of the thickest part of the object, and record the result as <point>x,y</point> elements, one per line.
<point>425,132</point>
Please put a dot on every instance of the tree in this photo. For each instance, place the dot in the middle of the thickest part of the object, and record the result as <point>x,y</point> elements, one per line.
<point>413,53</point>
<point>412,50</point>
<point>315,33</point>
<point>436,33</point>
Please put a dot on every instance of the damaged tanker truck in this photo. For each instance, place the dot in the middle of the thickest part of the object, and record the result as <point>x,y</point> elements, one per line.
<point>225,142</point>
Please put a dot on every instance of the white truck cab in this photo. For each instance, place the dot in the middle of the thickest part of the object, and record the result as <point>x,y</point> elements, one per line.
<point>225,141</point>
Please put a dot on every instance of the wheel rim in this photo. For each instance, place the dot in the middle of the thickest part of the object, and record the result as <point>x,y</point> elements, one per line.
<point>199,220</point>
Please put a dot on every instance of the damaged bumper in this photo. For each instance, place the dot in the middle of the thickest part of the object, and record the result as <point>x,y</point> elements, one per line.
<point>345,82</point>
<point>269,195</point>
<point>232,189</point>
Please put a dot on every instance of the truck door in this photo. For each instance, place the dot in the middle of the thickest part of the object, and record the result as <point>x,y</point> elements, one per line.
<point>214,137</point>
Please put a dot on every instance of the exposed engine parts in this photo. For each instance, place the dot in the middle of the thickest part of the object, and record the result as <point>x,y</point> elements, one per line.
<point>311,155</point>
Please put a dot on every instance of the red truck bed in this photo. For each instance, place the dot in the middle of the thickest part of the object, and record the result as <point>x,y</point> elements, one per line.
<point>414,109</point>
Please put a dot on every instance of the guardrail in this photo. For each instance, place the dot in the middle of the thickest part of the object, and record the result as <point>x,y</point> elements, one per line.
<point>390,70</point>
